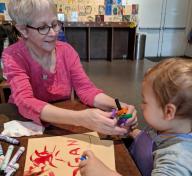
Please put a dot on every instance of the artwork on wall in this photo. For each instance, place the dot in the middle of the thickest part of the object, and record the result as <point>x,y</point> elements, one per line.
<point>108,9</point>
<point>60,155</point>
<point>4,11</point>
<point>126,18</point>
<point>86,10</point>
<point>61,16</point>
<point>135,9</point>
<point>2,7</point>
<point>101,10</point>
<point>74,16</point>
<point>99,19</point>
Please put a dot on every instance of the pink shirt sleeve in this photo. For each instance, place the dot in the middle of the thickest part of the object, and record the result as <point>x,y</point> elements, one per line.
<point>21,90</point>
<point>83,86</point>
<point>30,93</point>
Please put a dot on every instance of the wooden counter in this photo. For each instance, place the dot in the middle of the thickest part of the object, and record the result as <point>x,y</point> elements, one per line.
<point>109,41</point>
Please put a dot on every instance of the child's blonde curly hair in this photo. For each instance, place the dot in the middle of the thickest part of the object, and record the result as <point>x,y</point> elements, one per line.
<point>171,80</point>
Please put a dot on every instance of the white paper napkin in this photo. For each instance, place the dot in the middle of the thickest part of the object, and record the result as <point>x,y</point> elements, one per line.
<point>18,128</point>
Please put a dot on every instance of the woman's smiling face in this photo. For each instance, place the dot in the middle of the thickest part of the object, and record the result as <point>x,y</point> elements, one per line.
<point>46,43</point>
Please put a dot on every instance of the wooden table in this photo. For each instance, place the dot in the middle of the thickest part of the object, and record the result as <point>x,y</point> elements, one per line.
<point>124,162</point>
<point>3,85</point>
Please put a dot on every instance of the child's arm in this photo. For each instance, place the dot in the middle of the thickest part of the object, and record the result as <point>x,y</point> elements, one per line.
<point>173,160</point>
<point>134,133</point>
<point>92,166</point>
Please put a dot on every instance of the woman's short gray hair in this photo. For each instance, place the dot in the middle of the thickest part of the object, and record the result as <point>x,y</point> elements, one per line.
<point>23,11</point>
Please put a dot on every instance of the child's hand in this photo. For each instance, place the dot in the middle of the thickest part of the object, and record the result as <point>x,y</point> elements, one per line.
<point>92,166</point>
<point>134,133</point>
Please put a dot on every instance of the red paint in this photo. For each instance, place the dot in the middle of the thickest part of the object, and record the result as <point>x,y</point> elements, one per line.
<point>72,142</point>
<point>77,160</point>
<point>75,171</point>
<point>51,174</point>
<point>70,165</point>
<point>32,173</point>
<point>74,151</point>
<point>58,159</point>
<point>43,158</point>
<point>57,153</point>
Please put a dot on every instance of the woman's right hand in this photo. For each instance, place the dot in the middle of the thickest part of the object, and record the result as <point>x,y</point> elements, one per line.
<point>100,121</point>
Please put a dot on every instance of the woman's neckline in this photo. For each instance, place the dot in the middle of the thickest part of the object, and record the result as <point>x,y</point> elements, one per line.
<point>51,69</point>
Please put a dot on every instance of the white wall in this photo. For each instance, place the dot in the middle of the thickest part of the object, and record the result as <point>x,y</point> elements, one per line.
<point>186,49</point>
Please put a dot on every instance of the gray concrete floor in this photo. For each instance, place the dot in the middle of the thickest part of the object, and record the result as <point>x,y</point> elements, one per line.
<point>120,79</point>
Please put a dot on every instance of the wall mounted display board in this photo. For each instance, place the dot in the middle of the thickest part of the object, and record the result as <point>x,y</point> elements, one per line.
<point>97,10</point>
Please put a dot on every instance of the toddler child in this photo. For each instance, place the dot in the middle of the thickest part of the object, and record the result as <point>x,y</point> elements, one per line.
<point>167,108</point>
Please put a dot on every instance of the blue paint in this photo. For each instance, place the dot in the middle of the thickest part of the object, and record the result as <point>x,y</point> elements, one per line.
<point>83,158</point>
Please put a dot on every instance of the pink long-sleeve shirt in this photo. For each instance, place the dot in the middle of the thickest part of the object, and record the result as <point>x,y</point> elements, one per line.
<point>32,87</point>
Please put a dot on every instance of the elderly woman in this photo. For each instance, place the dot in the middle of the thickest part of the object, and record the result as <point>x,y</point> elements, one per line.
<point>41,70</point>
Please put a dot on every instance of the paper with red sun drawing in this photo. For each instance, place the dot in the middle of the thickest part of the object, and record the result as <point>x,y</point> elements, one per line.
<point>60,155</point>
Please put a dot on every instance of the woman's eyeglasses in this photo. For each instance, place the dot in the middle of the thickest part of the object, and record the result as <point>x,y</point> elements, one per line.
<point>44,30</point>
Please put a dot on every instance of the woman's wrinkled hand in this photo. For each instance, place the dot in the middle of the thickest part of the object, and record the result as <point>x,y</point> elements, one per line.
<point>101,121</point>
